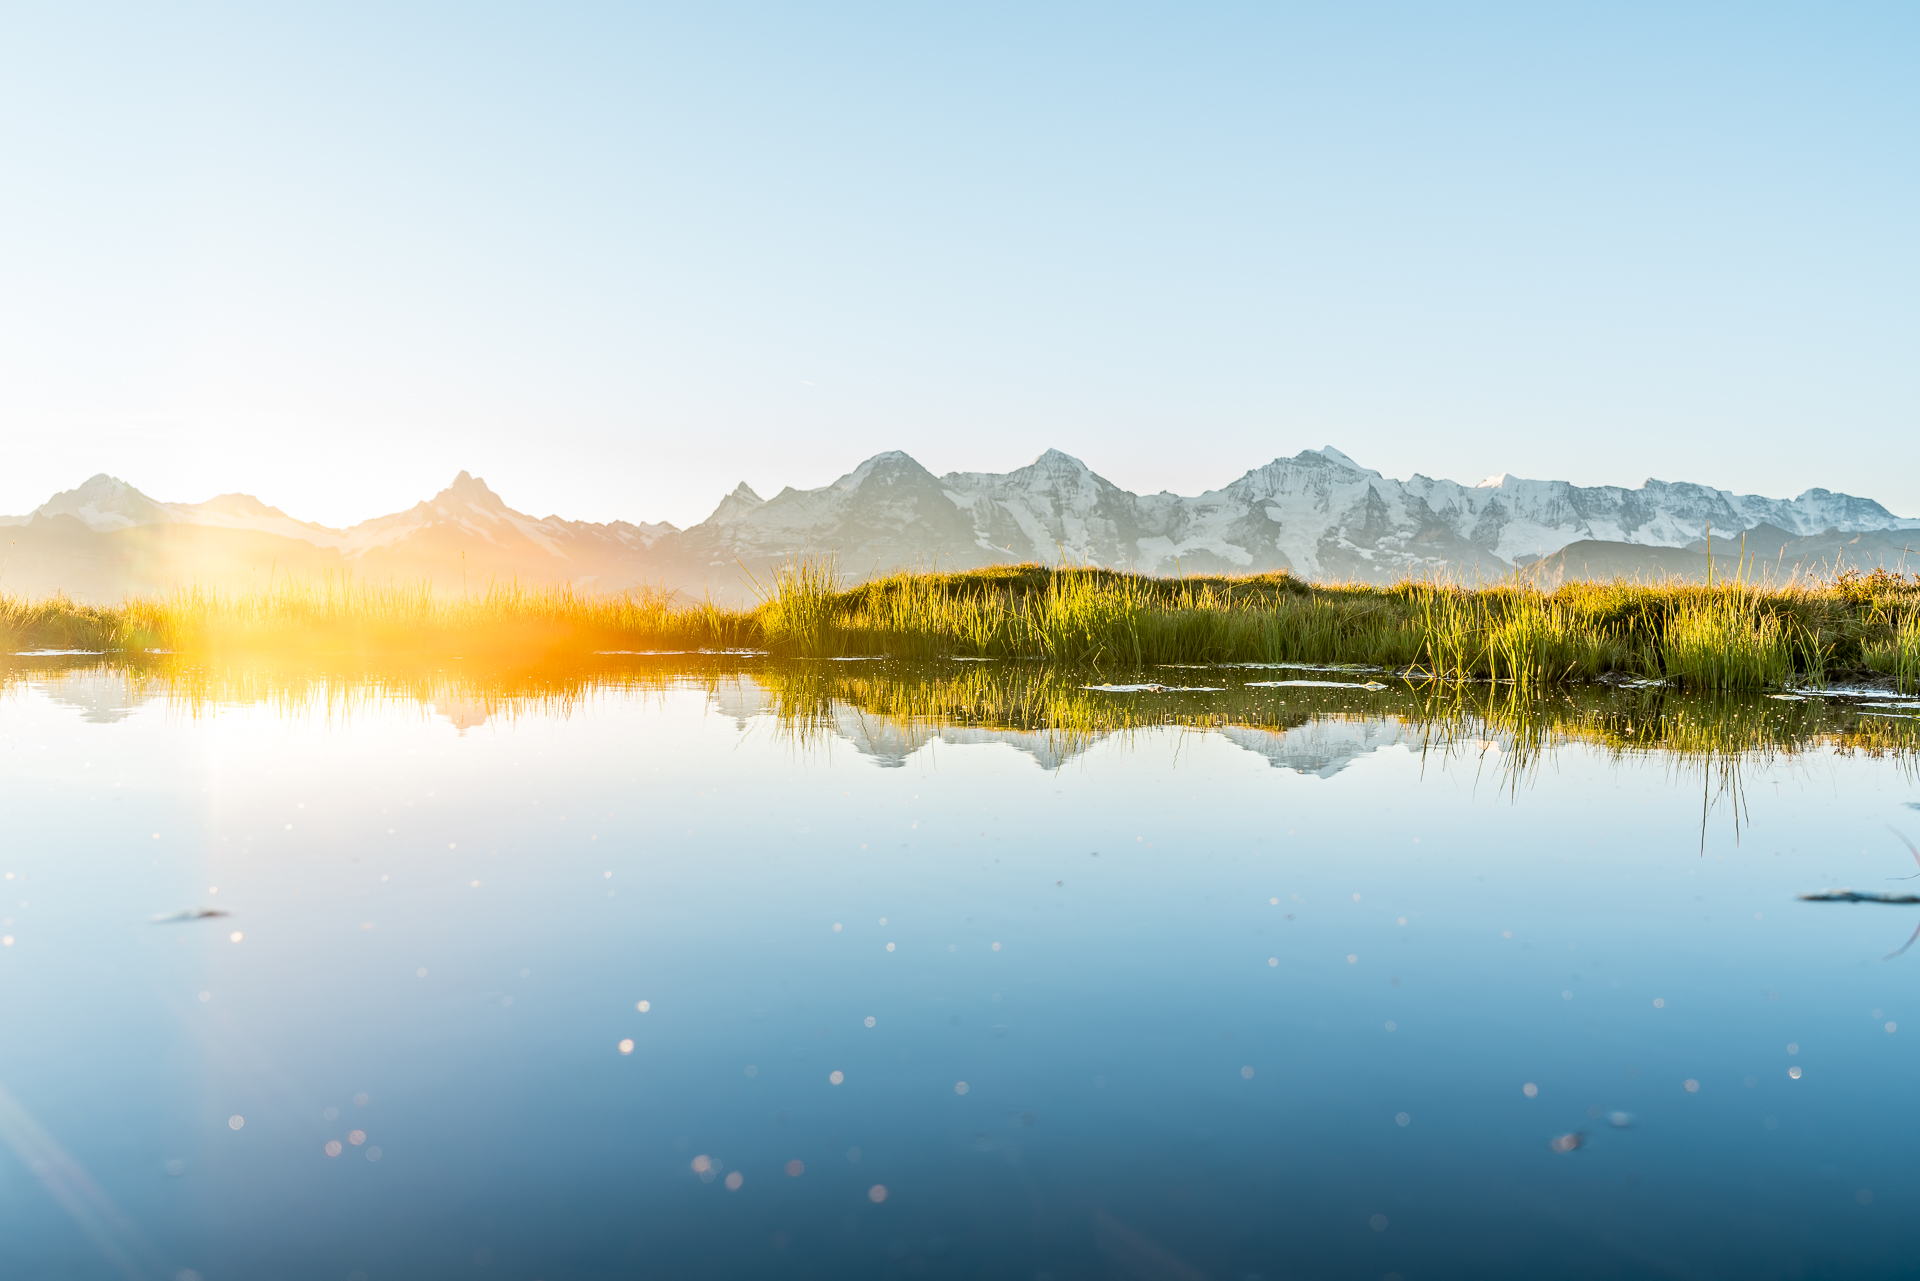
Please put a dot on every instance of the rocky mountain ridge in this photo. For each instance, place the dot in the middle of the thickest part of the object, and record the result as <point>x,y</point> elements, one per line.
<point>1318,514</point>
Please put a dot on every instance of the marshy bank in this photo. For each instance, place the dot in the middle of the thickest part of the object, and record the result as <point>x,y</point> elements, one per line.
<point>1727,637</point>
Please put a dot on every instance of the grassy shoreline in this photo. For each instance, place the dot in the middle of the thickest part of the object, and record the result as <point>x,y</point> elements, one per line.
<point>1733,636</point>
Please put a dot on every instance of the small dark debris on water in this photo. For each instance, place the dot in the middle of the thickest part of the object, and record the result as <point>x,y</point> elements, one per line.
<point>1844,895</point>
<point>1567,1142</point>
<point>190,914</point>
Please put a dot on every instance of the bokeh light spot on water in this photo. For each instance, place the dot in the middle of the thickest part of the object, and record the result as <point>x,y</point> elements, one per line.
<point>420,973</point>
<point>333,1147</point>
<point>752,1070</point>
<point>1690,1085</point>
<point>643,1006</point>
<point>1794,1073</point>
<point>330,1114</point>
<point>877,1193</point>
<point>889,947</point>
<point>836,1076</point>
<point>1378,1223</point>
<point>374,1154</point>
<point>960,1087</point>
<point>1566,996</point>
<point>1864,1197</point>
<point>796,1168</point>
<point>1401,1118</point>
<point>996,947</point>
<point>1567,1142</point>
<point>1392,1026</point>
<point>702,1164</point>
<point>1659,1002</point>
<point>360,1100</point>
<point>1506,934</point>
<point>235,1122</point>
<point>1530,1090</point>
<point>1274,901</point>
<point>357,1137</point>
<point>1793,1047</point>
<point>871,1020</point>
<point>1893,1027</point>
<point>626,1045</point>
<point>836,927</point>
<point>734,1180</point>
<point>6,940</point>
<point>1403,920</point>
<point>1356,898</point>
<point>235,937</point>
<point>1246,1073</point>
<point>1273,962</point>
<point>1352,959</point>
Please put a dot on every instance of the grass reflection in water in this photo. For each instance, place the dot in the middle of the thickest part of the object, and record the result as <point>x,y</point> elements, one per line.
<point>814,701</point>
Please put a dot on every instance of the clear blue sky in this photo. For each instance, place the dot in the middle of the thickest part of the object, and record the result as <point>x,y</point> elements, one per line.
<point>618,258</point>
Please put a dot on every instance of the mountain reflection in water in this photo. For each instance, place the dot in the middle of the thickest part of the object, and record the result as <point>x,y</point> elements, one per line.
<point>889,711</point>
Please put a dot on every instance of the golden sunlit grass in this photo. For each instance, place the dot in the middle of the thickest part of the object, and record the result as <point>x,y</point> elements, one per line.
<point>337,619</point>
<point>1730,636</point>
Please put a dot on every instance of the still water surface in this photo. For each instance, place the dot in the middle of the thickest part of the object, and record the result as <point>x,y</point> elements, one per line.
<point>655,982</point>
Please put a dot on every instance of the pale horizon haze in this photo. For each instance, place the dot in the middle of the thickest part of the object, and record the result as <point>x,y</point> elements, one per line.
<point>617,259</point>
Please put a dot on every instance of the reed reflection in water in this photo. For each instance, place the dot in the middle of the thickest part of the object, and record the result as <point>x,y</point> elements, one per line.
<point>888,709</point>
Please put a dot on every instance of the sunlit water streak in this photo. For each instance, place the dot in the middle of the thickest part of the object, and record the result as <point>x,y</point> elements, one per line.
<point>947,970</point>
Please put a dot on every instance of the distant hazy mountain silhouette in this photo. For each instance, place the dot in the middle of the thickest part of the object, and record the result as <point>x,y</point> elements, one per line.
<point>1318,514</point>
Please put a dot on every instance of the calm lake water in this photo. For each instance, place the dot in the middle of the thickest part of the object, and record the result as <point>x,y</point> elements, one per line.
<point>704,973</point>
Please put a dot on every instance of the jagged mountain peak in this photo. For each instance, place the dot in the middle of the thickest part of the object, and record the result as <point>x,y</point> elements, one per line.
<point>104,502</point>
<point>887,468</point>
<point>468,488</point>
<point>1329,454</point>
<point>100,483</point>
<point>736,504</point>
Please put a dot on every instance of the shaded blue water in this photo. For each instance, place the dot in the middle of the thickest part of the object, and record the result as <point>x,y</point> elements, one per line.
<point>1179,1004</point>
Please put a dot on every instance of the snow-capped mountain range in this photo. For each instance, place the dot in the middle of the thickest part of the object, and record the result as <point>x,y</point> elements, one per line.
<point>1318,514</point>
